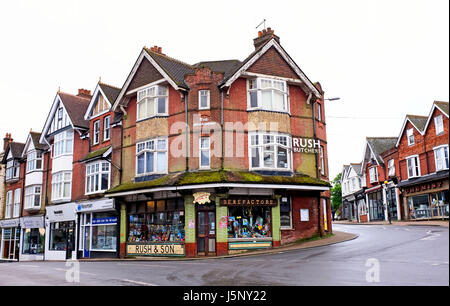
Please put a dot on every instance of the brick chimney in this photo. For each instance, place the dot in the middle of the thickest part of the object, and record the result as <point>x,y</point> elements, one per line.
<point>7,140</point>
<point>264,36</point>
<point>157,49</point>
<point>84,93</point>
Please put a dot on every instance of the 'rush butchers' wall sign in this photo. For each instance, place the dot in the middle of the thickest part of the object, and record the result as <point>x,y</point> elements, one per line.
<point>248,201</point>
<point>303,145</point>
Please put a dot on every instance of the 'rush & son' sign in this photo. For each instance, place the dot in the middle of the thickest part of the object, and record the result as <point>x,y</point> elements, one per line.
<point>155,249</point>
<point>304,145</point>
<point>248,201</point>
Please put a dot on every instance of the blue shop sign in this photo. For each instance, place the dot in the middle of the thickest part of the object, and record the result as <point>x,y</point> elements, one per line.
<point>108,220</point>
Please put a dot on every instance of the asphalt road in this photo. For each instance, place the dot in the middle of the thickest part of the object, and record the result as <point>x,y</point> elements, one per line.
<point>381,255</point>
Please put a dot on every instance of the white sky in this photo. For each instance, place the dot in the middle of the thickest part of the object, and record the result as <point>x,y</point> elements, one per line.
<point>384,59</point>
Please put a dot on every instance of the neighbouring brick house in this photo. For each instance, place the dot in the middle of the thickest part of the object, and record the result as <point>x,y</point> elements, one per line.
<point>353,182</point>
<point>423,146</point>
<point>200,176</point>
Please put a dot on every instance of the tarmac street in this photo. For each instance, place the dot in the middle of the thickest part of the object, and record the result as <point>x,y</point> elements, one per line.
<point>381,255</point>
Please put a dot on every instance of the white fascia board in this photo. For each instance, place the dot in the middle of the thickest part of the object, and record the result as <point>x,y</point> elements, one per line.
<point>273,43</point>
<point>403,129</point>
<point>25,148</point>
<point>98,90</point>
<point>231,185</point>
<point>107,152</point>
<point>145,86</point>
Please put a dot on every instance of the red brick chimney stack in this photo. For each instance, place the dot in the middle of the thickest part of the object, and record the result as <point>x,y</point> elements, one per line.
<point>7,140</point>
<point>264,36</point>
<point>157,49</point>
<point>84,93</point>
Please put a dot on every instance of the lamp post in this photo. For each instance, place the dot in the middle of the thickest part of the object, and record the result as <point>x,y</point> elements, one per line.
<point>332,99</point>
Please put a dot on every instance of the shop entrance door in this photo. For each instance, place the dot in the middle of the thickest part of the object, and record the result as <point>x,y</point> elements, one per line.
<point>206,230</point>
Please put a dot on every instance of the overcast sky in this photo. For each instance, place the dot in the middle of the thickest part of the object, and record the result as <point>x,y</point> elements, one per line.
<point>384,59</point>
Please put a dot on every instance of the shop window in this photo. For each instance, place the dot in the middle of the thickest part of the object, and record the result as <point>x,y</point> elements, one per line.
<point>285,212</point>
<point>62,236</point>
<point>249,222</point>
<point>151,157</point>
<point>413,166</point>
<point>419,207</point>
<point>270,152</point>
<point>33,241</point>
<point>97,177</point>
<point>152,102</point>
<point>267,94</point>
<point>439,125</point>
<point>441,158</point>
<point>440,204</point>
<point>160,221</point>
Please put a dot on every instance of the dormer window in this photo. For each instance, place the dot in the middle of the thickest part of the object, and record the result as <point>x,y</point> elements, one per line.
<point>410,135</point>
<point>152,102</point>
<point>34,161</point>
<point>267,94</point>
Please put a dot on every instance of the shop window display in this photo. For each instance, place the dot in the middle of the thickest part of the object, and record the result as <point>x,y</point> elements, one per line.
<point>34,241</point>
<point>62,236</point>
<point>157,221</point>
<point>249,222</point>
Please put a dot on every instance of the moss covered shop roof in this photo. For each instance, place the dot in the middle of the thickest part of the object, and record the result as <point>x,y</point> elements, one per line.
<point>214,177</point>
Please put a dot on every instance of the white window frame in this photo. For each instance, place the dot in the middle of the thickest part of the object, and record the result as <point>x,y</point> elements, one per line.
<point>258,89</point>
<point>17,198</point>
<point>12,169</point>
<point>107,128</point>
<point>319,112</point>
<point>63,143</point>
<point>391,167</point>
<point>201,149</point>
<point>290,215</point>
<point>373,174</point>
<point>83,225</point>
<point>96,132</point>
<point>59,181</point>
<point>146,147</point>
<point>9,203</point>
<point>439,124</point>
<point>322,161</point>
<point>415,166</point>
<point>31,194</point>
<point>95,171</point>
<point>260,147</point>
<point>409,134</point>
<point>201,93</point>
<point>32,160</point>
<point>444,160</point>
<point>148,93</point>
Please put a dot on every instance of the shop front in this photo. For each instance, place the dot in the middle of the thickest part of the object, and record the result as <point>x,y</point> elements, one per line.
<point>98,232</point>
<point>375,199</point>
<point>426,200</point>
<point>60,226</point>
<point>10,241</point>
<point>32,238</point>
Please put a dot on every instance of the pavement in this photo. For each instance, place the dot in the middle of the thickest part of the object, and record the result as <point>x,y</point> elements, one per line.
<point>337,237</point>
<point>381,255</point>
<point>443,223</point>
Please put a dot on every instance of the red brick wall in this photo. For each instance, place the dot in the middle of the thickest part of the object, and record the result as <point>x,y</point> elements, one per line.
<point>15,185</point>
<point>80,150</point>
<point>271,63</point>
<point>102,143</point>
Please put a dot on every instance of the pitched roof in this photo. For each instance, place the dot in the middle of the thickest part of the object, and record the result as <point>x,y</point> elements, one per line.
<point>35,136</point>
<point>76,108</point>
<point>111,92</point>
<point>418,121</point>
<point>16,149</point>
<point>176,69</point>
<point>356,167</point>
<point>225,66</point>
<point>380,145</point>
<point>443,106</point>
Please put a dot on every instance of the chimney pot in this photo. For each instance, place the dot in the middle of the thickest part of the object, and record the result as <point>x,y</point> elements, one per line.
<point>259,33</point>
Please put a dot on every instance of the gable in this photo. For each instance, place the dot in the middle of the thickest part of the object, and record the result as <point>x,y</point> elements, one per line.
<point>58,120</point>
<point>436,112</point>
<point>145,74</point>
<point>101,105</point>
<point>9,155</point>
<point>29,146</point>
<point>271,63</point>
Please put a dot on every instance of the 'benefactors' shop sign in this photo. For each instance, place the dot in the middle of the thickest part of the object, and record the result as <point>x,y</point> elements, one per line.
<point>248,201</point>
<point>155,249</point>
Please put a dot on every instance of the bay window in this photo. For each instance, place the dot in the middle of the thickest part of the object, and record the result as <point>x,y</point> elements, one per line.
<point>107,128</point>
<point>413,166</point>
<point>151,156</point>
<point>63,143</point>
<point>61,186</point>
<point>97,177</point>
<point>32,197</point>
<point>441,157</point>
<point>12,169</point>
<point>373,173</point>
<point>270,151</point>
<point>267,94</point>
<point>205,152</point>
<point>439,125</point>
<point>8,204</point>
<point>16,209</point>
<point>152,102</point>
<point>34,161</point>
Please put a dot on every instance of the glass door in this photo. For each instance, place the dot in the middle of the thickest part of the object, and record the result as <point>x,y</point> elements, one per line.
<point>206,231</point>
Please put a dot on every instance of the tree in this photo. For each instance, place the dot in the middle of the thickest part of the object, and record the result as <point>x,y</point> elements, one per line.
<point>336,193</point>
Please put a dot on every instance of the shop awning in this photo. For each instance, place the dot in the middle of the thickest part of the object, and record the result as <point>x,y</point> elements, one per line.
<point>425,179</point>
<point>213,179</point>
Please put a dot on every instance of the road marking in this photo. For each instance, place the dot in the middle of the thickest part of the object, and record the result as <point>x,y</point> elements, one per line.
<point>137,282</point>
<point>432,236</point>
<point>64,270</point>
<point>31,266</point>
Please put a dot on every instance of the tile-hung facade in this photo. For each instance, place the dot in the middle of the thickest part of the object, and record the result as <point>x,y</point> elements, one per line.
<point>98,219</point>
<point>63,183</point>
<point>201,174</point>
<point>423,146</point>
<point>381,207</point>
<point>14,183</point>
<point>353,184</point>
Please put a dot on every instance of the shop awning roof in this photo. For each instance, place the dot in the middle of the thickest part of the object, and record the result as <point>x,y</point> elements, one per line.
<point>425,179</point>
<point>224,178</point>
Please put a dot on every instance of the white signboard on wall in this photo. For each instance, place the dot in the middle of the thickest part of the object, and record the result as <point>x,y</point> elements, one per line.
<point>304,215</point>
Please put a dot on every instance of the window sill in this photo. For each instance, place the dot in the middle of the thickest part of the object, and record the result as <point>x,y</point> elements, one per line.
<point>153,117</point>
<point>96,192</point>
<point>32,208</point>
<point>251,110</point>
